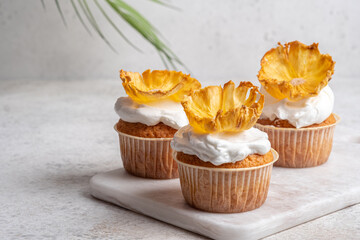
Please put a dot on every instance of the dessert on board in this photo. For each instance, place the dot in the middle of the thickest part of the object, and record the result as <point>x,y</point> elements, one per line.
<point>298,111</point>
<point>149,118</point>
<point>224,162</point>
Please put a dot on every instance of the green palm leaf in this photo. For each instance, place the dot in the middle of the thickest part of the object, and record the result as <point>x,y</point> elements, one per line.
<point>79,16</point>
<point>134,19</point>
<point>93,22</point>
<point>60,11</point>
<point>43,4</point>
<point>114,26</point>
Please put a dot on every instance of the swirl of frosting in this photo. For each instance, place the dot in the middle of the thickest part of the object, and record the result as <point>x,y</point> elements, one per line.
<point>220,148</point>
<point>168,112</point>
<point>301,113</point>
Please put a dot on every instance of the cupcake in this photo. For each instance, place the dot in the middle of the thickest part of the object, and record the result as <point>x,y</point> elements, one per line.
<point>297,114</point>
<point>224,163</point>
<point>149,117</point>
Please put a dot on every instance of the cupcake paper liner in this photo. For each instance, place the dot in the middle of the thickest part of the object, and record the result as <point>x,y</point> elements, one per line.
<point>147,157</point>
<point>300,148</point>
<point>225,190</point>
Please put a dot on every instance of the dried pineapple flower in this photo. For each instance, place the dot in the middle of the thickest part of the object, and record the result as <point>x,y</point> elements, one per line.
<point>158,85</point>
<point>296,71</point>
<point>215,109</point>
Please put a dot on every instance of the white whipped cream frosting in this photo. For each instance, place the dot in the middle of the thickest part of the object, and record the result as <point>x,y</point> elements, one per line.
<point>221,148</point>
<point>168,112</point>
<point>301,113</point>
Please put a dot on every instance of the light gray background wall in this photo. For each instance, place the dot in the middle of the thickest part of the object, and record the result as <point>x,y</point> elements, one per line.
<point>216,39</point>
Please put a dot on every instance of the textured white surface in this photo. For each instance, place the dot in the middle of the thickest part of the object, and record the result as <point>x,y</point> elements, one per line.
<point>216,39</point>
<point>55,135</point>
<point>295,196</point>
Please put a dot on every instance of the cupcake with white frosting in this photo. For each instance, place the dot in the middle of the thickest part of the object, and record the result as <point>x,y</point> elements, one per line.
<point>297,114</point>
<point>149,117</point>
<point>224,163</point>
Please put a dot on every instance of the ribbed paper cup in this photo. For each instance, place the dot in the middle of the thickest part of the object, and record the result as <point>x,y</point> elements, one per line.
<point>147,157</point>
<point>303,147</point>
<point>225,190</point>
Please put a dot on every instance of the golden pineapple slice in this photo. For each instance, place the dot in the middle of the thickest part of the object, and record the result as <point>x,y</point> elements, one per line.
<point>295,71</point>
<point>158,85</point>
<point>214,109</point>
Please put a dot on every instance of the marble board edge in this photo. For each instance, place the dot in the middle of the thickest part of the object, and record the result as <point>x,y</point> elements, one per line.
<point>214,230</point>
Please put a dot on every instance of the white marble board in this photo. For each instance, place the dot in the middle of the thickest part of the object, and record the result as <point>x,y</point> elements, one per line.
<point>295,196</point>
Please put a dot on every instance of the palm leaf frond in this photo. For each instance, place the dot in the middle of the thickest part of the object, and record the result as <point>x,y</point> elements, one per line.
<point>115,27</point>
<point>90,17</point>
<point>79,17</point>
<point>60,11</point>
<point>43,4</point>
<point>165,4</point>
<point>145,28</point>
<point>133,18</point>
